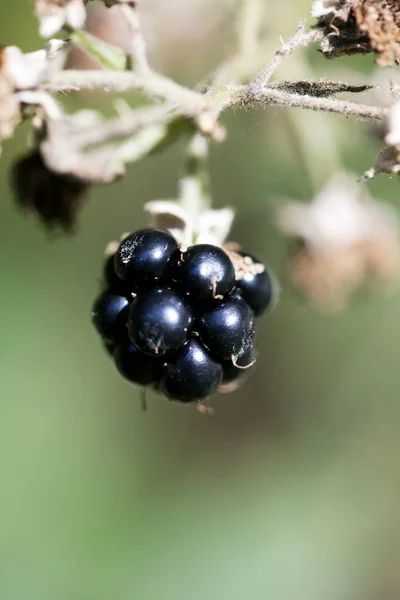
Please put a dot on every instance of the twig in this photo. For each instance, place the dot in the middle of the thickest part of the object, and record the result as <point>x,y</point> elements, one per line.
<point>299,40</point>
<point>267,96</point>
<point>193,192</point>
<point>192,104</point>
<point>138,46</point>
<point>123,126</point>
<point>153,85</point>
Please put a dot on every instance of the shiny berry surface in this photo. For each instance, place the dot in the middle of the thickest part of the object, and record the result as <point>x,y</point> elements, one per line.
<point>144,256</point>
<point>109,316</point>
<point>193,374</point>
<point>204,272</point>
<point>256,289</point>
<point>111,279</point>
<point>231,372</point>
<point>159,321</point>
<point>228,328</point>
<point>136,366</point>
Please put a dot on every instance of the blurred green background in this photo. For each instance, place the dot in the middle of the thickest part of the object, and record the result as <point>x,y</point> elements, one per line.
<point>291,490</point>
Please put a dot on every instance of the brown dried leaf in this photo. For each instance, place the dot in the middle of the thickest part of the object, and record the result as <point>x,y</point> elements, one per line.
<point>320,89</point>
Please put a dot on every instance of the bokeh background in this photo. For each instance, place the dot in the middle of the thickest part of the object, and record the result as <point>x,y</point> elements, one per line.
<point>291,490</point>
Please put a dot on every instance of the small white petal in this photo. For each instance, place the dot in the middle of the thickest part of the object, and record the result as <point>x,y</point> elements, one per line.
<point>168,208</point>
<point>25,70</point>
<point>167,214</point>
<point>393,125</point>
<point>51,24</point>
<point>56,56</point>
<point>213,226</point>
<point>75,14</point>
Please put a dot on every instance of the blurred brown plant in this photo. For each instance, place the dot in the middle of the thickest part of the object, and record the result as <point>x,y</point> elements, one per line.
<point>347,240</point>
<point>53,199</point>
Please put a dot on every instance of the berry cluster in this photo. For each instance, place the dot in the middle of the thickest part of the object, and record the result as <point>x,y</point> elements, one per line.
<point>181,320</point>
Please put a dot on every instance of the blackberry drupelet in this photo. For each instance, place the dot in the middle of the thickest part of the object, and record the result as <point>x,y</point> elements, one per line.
<point>143,256</point>
<point>192,374</point>
<point>256,285</point>
<point>136,366</point>
<point>205,272</point>
<point>228,328</point>
<point>159,321</point>
<point>109,316</point>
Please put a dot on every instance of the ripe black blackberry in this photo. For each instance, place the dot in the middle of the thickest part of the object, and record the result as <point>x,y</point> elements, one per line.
<point>180,320</point>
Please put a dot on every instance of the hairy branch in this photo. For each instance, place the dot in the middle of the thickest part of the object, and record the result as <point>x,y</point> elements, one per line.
<point>267,96</point>
<point>138,46</point>
<point>100,152</point>
<point>299,40</point>
<point>192,104</point>
<point>153,85</point>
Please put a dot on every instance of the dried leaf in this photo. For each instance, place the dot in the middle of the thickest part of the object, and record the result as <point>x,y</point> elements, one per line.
<point>320,89</point>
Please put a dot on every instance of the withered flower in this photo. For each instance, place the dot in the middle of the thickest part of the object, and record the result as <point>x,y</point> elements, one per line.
<point>388,160</point>
<point>20,77</point>
<point>52,198</point>
<point>360,26</point>
<point>54,14</point>
<point>347,239</point>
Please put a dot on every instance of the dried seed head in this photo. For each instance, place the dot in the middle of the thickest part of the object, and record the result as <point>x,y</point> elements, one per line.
<point>360,26</point>
<point>347,239</point>
<point>52,198</point>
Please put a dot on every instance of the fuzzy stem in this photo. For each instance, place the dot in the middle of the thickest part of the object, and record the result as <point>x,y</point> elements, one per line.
<point>299,40</point>
<point>153,85</point>
<point>138,46</point>
<point>193,104</point>
<point>193,186</point>
<point>266,96</point>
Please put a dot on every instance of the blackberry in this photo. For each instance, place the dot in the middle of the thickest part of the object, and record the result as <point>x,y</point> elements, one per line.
<point>256,285</point>
<point>109,316</point>
<point>189,330</point>
<point>136,366</point>
<point>192,375</point>
<point>205,272</point>
<point>143,256</point>
<point>159,321</point>
<point>228,328</point>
